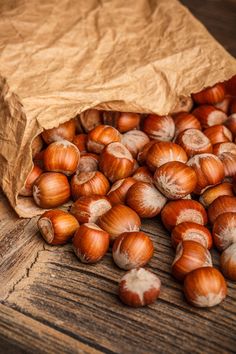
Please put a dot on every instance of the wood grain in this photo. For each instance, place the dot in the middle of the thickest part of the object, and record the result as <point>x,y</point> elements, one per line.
<point>31,336</point>
<point>55,290</point>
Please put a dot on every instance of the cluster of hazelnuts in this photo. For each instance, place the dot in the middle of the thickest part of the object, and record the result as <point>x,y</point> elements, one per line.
<point>121,167</point>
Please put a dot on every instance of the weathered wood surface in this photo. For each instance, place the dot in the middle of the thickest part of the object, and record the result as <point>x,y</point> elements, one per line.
<point>51,303</point>
<point>48,297</point>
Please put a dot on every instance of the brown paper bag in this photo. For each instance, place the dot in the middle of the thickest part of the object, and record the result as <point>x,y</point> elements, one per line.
<point>59,58</point>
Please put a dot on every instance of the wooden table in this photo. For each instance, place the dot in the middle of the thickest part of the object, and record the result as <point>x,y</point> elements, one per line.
<point>51,303</point>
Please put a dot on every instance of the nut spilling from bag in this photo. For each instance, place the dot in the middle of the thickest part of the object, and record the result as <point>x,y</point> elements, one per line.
<point>120,167</point>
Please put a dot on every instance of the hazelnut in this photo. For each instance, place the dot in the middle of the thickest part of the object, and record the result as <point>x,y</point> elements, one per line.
<point>134,141</point>
<point>116,162</point>
<point>209,170</point>
<point>57,226</point>
<point>224,230</point>
<point>210,95</point>
<point>175,179</point>
<point>214,192</point>
<point>209,116</point>
<point>122,121</point>
<point>220,205</point>
<point>132,250</point>
<point>65,131</point>
<point>87,209</point>
<point>228,262</point>
<point>190,255</point>
<point>90,243</point>
<point>139,287</point>
<point>119,189</point>
<point>89,183</point>
<point>205,287</point>
<point>194,142</point>
<point>145,199</point>
<point>163,152</point>
<point>160,128</point>
<point>61,156</point>
<point>178,211</point>
<point>119,219</point>
<point>51,189</point>
<point>100,137</point>
<point>190,231</point>
<point>90,119</point>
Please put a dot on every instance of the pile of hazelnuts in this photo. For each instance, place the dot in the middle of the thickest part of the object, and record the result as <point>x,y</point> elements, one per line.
<point>120,167</point>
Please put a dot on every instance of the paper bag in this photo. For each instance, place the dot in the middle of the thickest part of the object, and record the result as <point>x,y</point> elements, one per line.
<point>59,58</point>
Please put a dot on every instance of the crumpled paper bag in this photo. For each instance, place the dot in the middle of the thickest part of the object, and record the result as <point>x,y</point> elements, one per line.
<point>59,58</point>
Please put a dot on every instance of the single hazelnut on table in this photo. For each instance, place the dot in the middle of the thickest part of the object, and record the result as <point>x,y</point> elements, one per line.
<point>89,183</point>
<point>61,156</point>
<point>80,141</point>
<point>184,121</point>
<point>224,230</point>
<point>57,226</point>
<point>143,174</point>
<point>100,137</point>
<point>209,170</point>
<point>116,162</point>
<point>224,105</point>
<point>175,180</point>
<point>163,152</point>
<point>134,141</point>
<point>205,287</point>
<point>178,211</point>
<point>190,255</point>
<point>27,190</point>
<point>122,121</point>
<point>190,231</point>
<point>228,262</point>
<point>194,142</point>
<point>132,250</point>
<point>210,95</point>
<point>210,194</point>
<point>142,155</point>
<point>145,199</point>
<point>209,116</point>
<point>65,131</point>
<point>221,205</point>
<point>119,219</point>
<point>119,189</point>
<point>90,119</point>
<point>139,287</point>
<point>88,162</point>
<point>51,189</point>
<point>90,243</point>
<point>218,134</point>
<point>36,145</point>
<point>231,123</point>
<point>160,128</point>
<point>87,209</point>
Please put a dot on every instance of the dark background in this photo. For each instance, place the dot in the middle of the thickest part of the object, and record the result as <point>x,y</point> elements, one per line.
<point>219,16</point>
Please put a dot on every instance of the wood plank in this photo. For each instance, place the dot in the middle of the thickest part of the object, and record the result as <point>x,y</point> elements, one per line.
<point>19,247</point>
<point>81,300</point>
<point>21,334</point>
